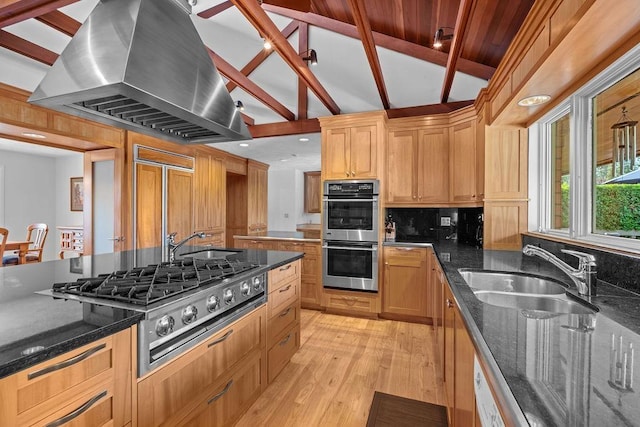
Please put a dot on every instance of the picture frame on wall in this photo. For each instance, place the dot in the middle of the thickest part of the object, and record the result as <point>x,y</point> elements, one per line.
<point>77,194</point>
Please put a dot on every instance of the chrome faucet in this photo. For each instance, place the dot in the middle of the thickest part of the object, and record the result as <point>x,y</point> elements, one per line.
<point>173,246</point>
<point>584,277</point>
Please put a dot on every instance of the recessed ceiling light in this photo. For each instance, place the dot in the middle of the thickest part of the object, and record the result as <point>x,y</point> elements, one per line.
<point>34,135</point>
<point>303,139</point>
<point>244,144</point>
<point>530,101</point>
<point>284,160</point>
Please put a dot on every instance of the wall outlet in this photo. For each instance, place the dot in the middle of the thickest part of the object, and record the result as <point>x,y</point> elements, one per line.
<point>445,221</point>
<point>286,215</point>
<point>445,256</point>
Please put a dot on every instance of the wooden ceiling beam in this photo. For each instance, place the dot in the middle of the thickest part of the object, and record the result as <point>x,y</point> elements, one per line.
<point>414,50</point>
<point>363,25</point>
<point>26,48</point>
<point>296,127</point>
<point>14,11</point>
<point>213,11</point>
<point>61,22</point>
<point>427,110</point>
<point>462,22</point>
<point>263,55</point>
<point>261,22</point>
<point>247,85</point>
<point>303,46</point>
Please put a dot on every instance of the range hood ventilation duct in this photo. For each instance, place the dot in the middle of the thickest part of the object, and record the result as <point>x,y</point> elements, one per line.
<point>141,65</point>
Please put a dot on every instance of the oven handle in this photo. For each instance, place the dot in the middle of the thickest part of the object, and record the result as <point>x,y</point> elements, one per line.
<point>327,199</point>
<point>352,248</point>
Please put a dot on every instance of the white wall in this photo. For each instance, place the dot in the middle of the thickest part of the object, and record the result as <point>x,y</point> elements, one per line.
<point>286,197</point>
<point>36,189</point>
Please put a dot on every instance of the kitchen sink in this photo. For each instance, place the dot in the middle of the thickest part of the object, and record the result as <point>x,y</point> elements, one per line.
<point>554,304</point>
<point>211,253</point>
<point>484,280</point>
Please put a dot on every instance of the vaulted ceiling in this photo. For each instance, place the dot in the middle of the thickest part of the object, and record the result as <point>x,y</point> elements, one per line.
<point>372,54</point>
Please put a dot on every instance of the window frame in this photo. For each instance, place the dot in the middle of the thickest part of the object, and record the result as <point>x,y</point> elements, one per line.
<point>579,106</point>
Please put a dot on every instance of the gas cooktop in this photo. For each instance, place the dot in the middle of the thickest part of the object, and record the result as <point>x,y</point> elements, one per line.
<point>156,282</point>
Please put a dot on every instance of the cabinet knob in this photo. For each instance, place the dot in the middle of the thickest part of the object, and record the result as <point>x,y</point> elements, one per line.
<point>449,303</point>
<point>347,173</point>
<point>353,173</point>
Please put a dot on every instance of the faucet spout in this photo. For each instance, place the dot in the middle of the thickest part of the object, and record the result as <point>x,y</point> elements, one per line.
<point>583,277</point>
<point>173,246</point>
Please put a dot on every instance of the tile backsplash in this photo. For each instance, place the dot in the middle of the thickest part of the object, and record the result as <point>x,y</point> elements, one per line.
<point>618,269</point>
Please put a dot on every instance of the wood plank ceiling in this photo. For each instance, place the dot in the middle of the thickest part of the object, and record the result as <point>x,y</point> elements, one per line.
<point>481,33</point>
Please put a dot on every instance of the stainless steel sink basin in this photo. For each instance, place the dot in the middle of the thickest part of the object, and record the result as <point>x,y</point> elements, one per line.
<point>211,253</point>
<point>561,305</point>
<point>511,282</point>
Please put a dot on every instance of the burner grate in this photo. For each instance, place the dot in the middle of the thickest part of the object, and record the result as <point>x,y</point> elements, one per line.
<point>146,285</point>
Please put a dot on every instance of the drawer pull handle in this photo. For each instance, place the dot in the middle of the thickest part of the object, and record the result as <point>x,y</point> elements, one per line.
<point>76,413</point>
<point>449,303</point>
<point>286,340</point>
<point>285,268</point>
<point>222,338</point>
<point>222,393</point>
<point>285,289</point>
<point>284,313</point>
<point>66,363</point>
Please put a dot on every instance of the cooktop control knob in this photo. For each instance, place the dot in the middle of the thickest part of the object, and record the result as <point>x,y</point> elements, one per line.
<point>245,289</point>
<point>257,283</point>
<point>213,303</point>
<point>189,314</point>
<point>227,296</point>
<point>164,325</point>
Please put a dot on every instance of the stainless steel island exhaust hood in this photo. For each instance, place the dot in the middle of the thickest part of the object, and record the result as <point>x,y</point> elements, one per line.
<point>141,65</point>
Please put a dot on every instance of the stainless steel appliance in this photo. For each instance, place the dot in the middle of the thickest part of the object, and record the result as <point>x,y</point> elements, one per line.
<point>183,302</point>
<point>350,265</point>
<point>350,210</point>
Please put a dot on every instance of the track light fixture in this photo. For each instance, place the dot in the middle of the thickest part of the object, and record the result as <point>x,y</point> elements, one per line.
<point>239,105</point>
<point>312,56</point>
<point>440,36</point>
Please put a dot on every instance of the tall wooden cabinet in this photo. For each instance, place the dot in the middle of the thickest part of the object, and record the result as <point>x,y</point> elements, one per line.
<point>351,145</point>
<point>210,182</point>
<point>257,210</point>
<point>312,192</point>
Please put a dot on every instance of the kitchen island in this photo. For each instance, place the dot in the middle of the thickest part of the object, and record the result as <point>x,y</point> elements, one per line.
<point>59,354</point>
<point>545,368</point>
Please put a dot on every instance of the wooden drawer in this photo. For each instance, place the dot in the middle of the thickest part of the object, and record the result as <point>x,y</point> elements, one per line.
<point>282,297</point>
<point>282,351</point>
<point>351,301</point>
<point>223,404</point>
<point>174,390</point>
<point>281,276</point>
<point>282,320</point>
<point>307,248</point>
<point>47,390</point>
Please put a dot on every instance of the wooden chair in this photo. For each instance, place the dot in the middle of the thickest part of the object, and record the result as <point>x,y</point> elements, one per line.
<point>4,234</point>
<point>37,234</point>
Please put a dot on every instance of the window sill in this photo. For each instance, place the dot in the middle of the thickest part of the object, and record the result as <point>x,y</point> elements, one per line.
<point>584,243</point>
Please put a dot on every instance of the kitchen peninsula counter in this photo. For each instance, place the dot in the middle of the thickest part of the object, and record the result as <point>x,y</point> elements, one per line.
<point>49,326</point>
<point>279,235</point>
<point>550,369</point>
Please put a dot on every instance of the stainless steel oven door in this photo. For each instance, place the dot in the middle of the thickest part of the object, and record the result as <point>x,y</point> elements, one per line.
<point>354,219</point>
<point>350,265</point>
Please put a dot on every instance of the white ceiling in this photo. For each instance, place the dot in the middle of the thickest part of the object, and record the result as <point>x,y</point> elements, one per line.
<point>342,69</point>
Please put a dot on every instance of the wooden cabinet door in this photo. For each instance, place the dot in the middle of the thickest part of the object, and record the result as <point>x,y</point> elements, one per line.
<point>433,166</point>
<point>312,192</point>
<point>335,160</point>
<point>179,203</point>
<point>201,183</point>
<point>257,198</point>
<point>449,350</point>
<point>217,194</point>
<point>210,187</point>
<point>148,206</point>
<point>463,162</point>
<point>405,281</point>
<point>401,156</point>
<point>463,384</point>
<point>363,152</point>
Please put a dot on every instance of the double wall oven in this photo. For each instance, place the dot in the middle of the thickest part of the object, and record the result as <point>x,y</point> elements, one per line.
<point>350,235</point>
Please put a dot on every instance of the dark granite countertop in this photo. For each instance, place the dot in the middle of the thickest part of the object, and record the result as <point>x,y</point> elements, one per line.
<point>551,370</point>
<point>29,319</point>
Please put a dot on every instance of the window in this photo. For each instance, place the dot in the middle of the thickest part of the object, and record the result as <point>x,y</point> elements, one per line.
<point>588,160</point>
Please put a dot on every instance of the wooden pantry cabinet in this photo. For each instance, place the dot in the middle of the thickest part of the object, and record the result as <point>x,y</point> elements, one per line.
<point>257,197</point>
<point>312,192</point>
<point>407,290</point>
<point>210,187</point>
<point>214,383</point>
<point>351,145</point>
<point>90,385</point>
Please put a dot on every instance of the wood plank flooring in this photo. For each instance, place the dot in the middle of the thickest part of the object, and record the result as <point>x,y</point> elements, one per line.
<point>342,361</point>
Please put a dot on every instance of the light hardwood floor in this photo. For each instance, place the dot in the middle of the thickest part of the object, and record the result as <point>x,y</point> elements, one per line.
<point>342,360</point>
